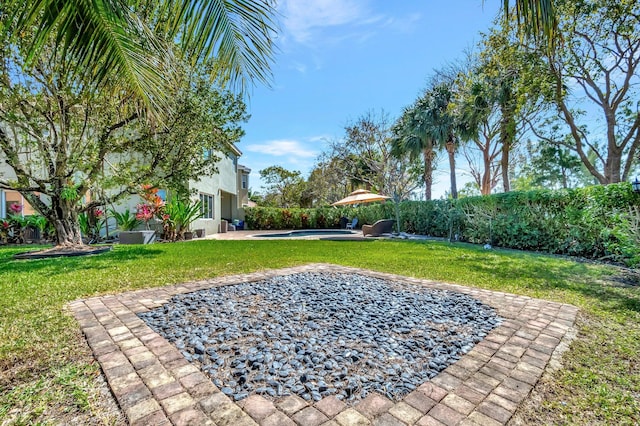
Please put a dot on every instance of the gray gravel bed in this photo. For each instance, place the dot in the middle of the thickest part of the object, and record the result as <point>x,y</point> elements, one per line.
<point>320,334</point>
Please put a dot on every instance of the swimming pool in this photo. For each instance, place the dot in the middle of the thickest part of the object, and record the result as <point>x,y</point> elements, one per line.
<point>307,233</point>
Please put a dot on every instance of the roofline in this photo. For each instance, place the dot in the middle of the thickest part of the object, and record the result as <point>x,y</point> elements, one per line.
<point>235,149</point>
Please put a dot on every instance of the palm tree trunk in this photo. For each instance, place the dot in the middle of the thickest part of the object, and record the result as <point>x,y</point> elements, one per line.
<point>485,187</point>
<point>451,151</point>
<point>507,132</point>
<point>428,156</point>
<point>504,165</point>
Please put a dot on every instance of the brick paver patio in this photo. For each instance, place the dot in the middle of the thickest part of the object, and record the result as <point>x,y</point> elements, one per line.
<point>155,385</point>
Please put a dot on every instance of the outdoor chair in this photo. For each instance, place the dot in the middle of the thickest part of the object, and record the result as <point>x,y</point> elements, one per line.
<point>353,223</point>
<point>384,226</point>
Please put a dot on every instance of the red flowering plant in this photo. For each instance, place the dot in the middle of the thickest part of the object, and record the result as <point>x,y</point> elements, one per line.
<point>152,206</point>
<point>15,208</point>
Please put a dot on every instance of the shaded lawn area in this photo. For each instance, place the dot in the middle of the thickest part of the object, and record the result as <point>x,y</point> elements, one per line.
<point>46,369</point>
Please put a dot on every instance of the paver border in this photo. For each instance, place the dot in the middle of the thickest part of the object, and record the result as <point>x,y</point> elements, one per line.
<point>154,384</point>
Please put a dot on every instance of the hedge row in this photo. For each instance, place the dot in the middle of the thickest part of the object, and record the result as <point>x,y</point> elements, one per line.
<point>598,222</point>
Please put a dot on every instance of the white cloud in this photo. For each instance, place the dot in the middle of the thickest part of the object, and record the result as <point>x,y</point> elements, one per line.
<point>318,25</point>
<point>280,148</point>
<point>404,24</point>
<point>301,18</point>
<point>305,21</point>
<point>300,67</point>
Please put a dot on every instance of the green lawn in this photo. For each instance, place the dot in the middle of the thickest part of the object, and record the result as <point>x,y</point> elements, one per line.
<point>47,374</point>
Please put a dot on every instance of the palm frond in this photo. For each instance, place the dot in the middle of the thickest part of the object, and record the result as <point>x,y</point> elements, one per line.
<point>537,18</point>
<point>235,34</point>
<point>106,39</point>
<point>109,40</point>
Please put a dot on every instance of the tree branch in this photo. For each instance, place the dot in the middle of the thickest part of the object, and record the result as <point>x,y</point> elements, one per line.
<point>569,119</point>
<point>103,150</point>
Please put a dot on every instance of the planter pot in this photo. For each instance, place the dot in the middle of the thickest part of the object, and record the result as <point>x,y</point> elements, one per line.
<point>137,237</point>
<point>188,235</point>
<point>200,233</point>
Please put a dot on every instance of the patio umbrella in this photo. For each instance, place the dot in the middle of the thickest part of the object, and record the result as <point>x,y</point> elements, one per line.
<point>360,196</point>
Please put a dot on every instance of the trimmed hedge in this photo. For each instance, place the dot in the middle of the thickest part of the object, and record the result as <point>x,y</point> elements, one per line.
<point>597,222</point>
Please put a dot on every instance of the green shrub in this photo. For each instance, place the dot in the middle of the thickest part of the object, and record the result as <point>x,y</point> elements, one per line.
<point>598,222</point>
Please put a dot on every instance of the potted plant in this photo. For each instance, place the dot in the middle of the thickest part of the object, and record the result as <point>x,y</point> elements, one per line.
<point>191,212</point>
<point>127,224</point>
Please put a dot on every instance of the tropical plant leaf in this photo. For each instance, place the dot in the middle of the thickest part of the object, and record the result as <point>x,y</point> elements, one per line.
<point>129,42</point>
<point>235,34</point>
<point>107,40</point>
<point>537,19</point>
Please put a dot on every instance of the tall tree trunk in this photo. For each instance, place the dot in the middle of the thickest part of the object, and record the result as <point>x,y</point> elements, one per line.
<point>567,116</point>
<point>451,151</point>
<point>613,165</point>
<point>428,156</point>
<point>507,134</point>
<point>504,166</point>
<point>64,218</point>
<point>485,186</point>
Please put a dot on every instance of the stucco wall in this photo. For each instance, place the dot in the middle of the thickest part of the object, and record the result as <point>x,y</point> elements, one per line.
<point>221,185</point>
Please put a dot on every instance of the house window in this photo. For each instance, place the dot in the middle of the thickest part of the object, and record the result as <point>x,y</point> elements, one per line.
<point>245,181</point>
<point>206,209</point>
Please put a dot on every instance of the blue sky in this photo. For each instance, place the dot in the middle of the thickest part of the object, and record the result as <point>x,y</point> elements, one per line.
<point>339,59</point>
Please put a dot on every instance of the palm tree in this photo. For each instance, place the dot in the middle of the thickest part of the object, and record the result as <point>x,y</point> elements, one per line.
<point>507,101</point>
<point>132,40</point>
<point>411,138</point>
<point>476,109</point>
<point>108,37</point>
<point>428,125</point>
<point>441,126</point>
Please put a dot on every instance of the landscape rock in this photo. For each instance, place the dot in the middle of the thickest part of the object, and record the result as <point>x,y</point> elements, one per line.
<point>321,334</point>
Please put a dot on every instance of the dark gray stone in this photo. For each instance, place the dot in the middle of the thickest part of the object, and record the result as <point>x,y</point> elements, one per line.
<point>314,334</point>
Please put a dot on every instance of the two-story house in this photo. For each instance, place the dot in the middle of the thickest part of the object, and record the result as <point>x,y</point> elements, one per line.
<point>223,194</point>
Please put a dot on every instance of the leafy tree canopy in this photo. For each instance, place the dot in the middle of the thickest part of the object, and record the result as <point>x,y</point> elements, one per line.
<point>284,187</point>
<point>596,86</point>
<point>61,140</point>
